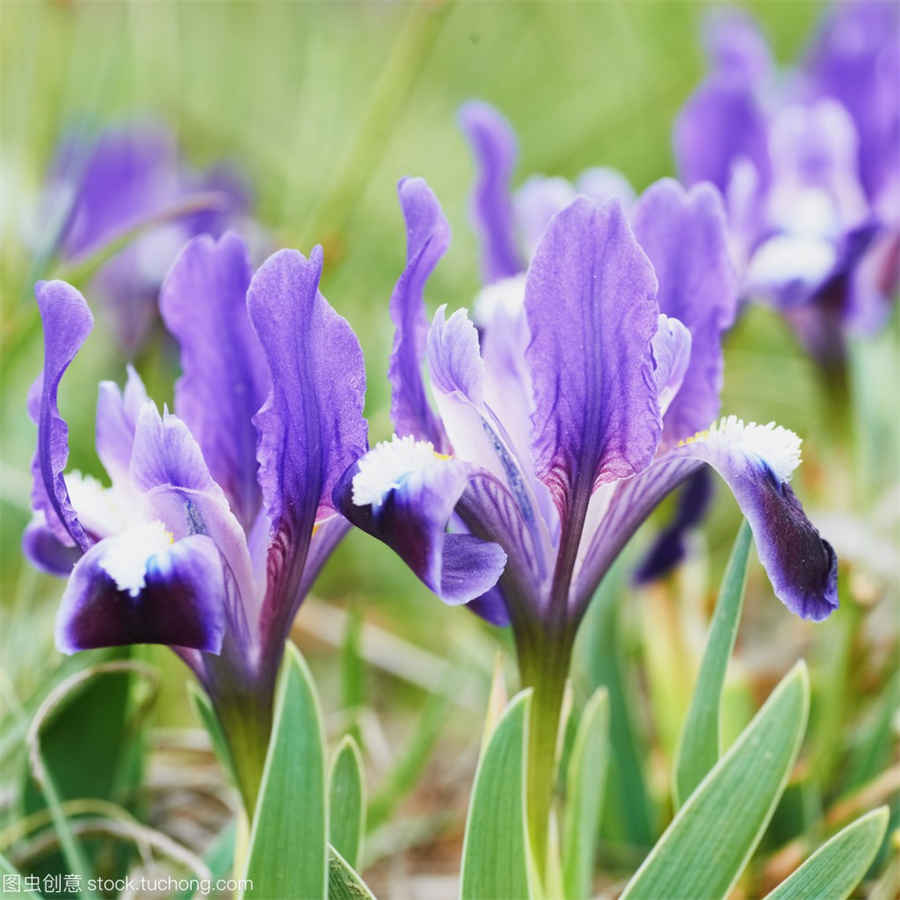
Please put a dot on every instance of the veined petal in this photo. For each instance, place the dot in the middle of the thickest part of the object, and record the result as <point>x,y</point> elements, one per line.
<point>590,302</point>
<point>224,382</point>
<point>404,494</point>
<point>493,144</point>
<point>117,414</point>
<point>67,323</point>
<point>427,239</point>
<point>756,462</point>
<point>311,426</point>
<point>140,588</point>
<point>720,126</point>
<point>168,469</point>
<point>685,235</point>
<point>477,433</point>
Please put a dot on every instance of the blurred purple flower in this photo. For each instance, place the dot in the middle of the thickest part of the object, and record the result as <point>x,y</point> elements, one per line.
<point>810,167</point>
<point>580,406</point>
<point>100,188</point>
<point>219,517</point>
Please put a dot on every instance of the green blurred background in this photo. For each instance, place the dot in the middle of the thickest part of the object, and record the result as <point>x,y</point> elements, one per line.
<point>324,107</point>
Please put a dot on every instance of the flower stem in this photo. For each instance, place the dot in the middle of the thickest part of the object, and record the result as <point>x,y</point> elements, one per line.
<point>544,667</point>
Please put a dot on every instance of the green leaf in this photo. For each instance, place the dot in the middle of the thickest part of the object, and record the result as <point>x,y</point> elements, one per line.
<point>219,857</point>
<point>700,744</point>
<point>347,801</point>
<point>495,848</point>
<point>344,882</point>
<point>207,715</point>
<point>585,780</point>
<point>599,662</point>
<point>705,848</point>
<point>838,866</point>
<point>287,855</point>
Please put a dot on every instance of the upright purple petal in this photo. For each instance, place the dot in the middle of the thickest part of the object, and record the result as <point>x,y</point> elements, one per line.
<point>129,176</point>
<point>493,143</point>
<point>117,415</point>
<point>685,236</point>
<point>225,378</point>
<point>590,302</point>
<point>404,494</point>
<point>721,125</point>
<point>856,60</point>
<point>537,201</point>
<point>427,239</point>
<point>311,426</point>
<point>133,589</point>
<point>735,46</point>
<point>67,323</point>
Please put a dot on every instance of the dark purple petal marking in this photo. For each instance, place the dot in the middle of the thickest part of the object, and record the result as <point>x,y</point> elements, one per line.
<point>411,516</point>
<point>225,378</point>
<point>179,602</point>
<point>755,461</point>
<point>67,322</point>
<point>590,302</point>
<point>44,550</point>
<point>427,239</point>
<point>311,426</point>
<point>685,236</point>
<point>493,144</point>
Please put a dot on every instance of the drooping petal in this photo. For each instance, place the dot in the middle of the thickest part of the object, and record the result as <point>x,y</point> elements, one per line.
<point>756,462</point>
<point>590,302</point>
<point>669,547</point>
<point>404,494</point>
<point>140,588</point>
<point>117,414</point>
<point>685,236</point>
<point>493,144</point>
<point>224,382</point>
<point>169,471</point>
<point>45,551</point>
<point>427,239</point>
<point>67,322</point>
<point>720,126</point>
<point>311,426</point>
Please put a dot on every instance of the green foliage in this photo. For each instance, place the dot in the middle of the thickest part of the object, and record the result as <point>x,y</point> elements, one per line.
<point>207,715</point>
<point>495,860</point>
<point>288,853</point>
<point>709,842</point>
<point>343,882</point>
<point>837,867</point>
<point>347,801</point>
<point>586,777</point>
<point>700,742</point>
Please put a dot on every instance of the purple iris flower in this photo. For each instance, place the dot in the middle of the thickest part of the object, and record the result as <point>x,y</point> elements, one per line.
<point>99,188</point>
<point>810,165</point>
<point>218,517</point>
<point>587,397</point>
<point>508,223</point>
